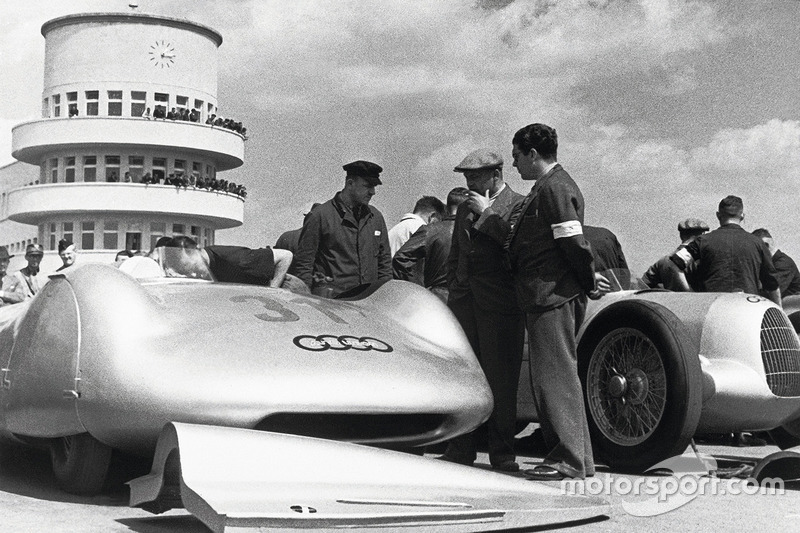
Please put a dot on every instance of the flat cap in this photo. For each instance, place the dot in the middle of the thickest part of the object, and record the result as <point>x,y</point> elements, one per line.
<point>731,206</point>
<point>482,158</point>
<point>4,253</point>
<point>34,249</point>
<point>364,169</point>
<point>692,224</point>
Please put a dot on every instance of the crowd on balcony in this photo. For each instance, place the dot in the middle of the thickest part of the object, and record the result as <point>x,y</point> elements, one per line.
<point>180,179</point>
<point>193,115</point>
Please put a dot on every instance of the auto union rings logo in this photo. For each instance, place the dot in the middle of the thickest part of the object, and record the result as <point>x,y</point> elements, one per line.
<point>320,343</point>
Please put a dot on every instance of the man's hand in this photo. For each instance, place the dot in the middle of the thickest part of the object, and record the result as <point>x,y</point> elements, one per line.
<point>602,286</point>
<point>477,203</point>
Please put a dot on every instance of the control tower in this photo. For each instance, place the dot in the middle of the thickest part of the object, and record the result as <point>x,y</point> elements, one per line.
<point>107,76</point>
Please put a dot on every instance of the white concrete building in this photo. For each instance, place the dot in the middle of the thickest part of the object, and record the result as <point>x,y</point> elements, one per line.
<point>106,76</point>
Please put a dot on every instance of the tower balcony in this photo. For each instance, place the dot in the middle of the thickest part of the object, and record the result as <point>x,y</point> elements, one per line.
<point>32,204</point>
<point>33,141</point>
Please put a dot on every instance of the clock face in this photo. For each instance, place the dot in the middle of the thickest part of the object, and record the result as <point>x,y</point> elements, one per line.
<point>162,54</point>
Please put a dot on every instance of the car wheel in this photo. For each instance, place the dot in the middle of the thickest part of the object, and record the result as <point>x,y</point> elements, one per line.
<point>642,384</point>
<point>80,463</point>
<point>783,438</point>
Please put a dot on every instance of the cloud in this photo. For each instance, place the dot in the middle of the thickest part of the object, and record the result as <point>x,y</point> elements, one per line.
<point>768,154</point>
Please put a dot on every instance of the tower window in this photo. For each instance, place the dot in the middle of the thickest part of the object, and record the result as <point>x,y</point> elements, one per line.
<point>90,168</point>
<point>69,169</point>
<point>92,103</point>
<point>114,103</point>
<point>138,103</point>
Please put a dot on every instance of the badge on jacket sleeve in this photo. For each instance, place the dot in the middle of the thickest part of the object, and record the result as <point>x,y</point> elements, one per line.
<point>377,233</point>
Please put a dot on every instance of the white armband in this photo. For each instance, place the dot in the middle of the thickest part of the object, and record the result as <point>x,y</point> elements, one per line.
<point>570,228</point>
<point>684,255</point>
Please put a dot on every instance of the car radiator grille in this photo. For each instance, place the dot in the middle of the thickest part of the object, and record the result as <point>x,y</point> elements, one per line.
<point>780,351</point>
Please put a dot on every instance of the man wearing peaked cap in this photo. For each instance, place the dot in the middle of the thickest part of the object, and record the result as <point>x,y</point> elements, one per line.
<point>665,274</point>
<point>344,242</point>
<point>7,294</point>
<point>481,296</point>
<point>25,282</point>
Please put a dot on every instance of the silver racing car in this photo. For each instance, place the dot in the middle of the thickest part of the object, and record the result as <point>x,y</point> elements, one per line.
<point>659,367</point>
<point>102,360</point>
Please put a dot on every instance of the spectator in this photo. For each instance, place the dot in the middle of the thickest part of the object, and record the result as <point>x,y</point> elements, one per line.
<point>147,114</point>
<point>147,179</point>
<point>608,255</point>
<point>423,258</point>
<point>112,177</point>
<point>427,209</point>
<point>788,274</point>
<point>481,296</point>
<point>159,112</point>
<point>344,241</point>
<point>26,282</point>
<point>553,273</point>
<point>73,110</point>
<point>211,119</point>
<point>7,295</point>
<point>122,256</point>
<point>173,114</point>
<point>665,274</point>
<point>290,239</point>
<point>194,115</point>
<point>127,177</point>
<point>67,252</point>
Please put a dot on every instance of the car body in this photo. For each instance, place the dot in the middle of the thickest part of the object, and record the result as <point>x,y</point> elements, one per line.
<point>659,367</point>
<point>100,360</point>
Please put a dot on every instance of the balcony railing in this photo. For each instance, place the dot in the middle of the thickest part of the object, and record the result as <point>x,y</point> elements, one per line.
<point>33,141</point>
<point>33,204</point>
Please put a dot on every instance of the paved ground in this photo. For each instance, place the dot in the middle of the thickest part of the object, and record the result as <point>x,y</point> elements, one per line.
<point>29,501</point>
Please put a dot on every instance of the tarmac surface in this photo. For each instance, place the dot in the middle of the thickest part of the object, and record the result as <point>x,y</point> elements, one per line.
<point>31,502</point>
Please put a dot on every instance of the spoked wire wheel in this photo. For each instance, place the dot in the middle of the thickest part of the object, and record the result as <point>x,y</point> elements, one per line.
<point>626,387</point>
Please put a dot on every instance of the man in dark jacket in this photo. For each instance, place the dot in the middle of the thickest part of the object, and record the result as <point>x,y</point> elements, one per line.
<point>423,257</point>
<point>553,272</point>
<point>729,259</point>
<point>344,242</point>
<point>788,274</point>
<point>482,299</point>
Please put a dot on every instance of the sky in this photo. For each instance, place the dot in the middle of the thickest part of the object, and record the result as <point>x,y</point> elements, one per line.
<point>662,108</point>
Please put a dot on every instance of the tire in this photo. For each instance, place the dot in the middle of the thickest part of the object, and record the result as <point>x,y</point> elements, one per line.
<point>642,385</point>
<point>80,463</point>
<point>783,439</point>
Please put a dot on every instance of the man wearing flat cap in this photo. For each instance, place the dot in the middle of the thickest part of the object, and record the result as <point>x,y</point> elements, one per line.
<point>7,295</point>
<point>666,274</point>
<point>344,242</point>
<point>730,259</point>
<point>481,296</point>
<point>26,282</point>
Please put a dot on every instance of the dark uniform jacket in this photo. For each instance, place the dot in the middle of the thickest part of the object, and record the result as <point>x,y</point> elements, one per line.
<point>608,255</point>
<point>237,264</point>
<point>730,259</point>
<point>550,272</point>
<point>788,275</point>
<point>336,244</point>
<point>476,261</point>
<point>423,257</point>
